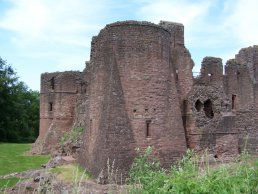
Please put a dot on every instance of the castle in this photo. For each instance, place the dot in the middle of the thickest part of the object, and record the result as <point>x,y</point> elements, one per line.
<point>138,90</point>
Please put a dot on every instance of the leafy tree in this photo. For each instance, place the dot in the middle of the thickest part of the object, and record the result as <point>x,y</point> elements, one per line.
<point>19,108</point>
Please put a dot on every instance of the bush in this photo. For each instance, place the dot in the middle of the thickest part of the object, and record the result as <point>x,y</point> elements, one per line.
<point>187,177</point>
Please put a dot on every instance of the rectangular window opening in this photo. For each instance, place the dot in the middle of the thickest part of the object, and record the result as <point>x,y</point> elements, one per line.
<point>52,83</point>
<point>90,127</point>
<point>177,76</point>
<point>148,130</point>
<point>233,101</point>
<point>50,107</point>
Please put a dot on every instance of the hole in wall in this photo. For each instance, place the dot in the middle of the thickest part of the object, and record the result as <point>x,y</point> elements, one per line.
<point>210,75</point>
<point>90,130</point>
<point>208,109</point>
<point>50,106</point>
<point>148,129</point>
<point>134,110</point>
<point>52,83</point>
<point>177,75</point>
<point>146,110</point>
<point>233,101</point>
<point>238,75</point>
<point>198,105</point>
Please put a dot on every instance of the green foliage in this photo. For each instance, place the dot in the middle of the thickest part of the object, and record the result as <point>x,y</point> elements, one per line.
<point>13,159</point>
<point>187,177</point>
<point>146,173</point>
<point>19,108</point>
<point>71,135</point>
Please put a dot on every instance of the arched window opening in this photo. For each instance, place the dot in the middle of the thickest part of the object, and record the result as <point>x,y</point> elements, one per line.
<point>208,109</point>
<point>198,105</point>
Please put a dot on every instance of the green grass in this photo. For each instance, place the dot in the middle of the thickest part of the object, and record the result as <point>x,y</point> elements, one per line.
<point>71,173</point>
<point>13,158</point>
<point>8,182</point>
<point>189,177</point>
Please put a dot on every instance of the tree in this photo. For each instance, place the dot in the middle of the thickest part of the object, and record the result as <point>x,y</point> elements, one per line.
<point>19,108</point>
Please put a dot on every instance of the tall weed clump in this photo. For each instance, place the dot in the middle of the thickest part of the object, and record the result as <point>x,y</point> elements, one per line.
<point>146,175</point>
<point>194,175</point>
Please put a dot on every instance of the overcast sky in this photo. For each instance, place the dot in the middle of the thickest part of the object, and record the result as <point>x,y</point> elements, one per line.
<point>39,36</point>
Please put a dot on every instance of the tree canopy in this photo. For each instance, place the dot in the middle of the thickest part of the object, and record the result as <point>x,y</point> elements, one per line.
<point>19,108</point>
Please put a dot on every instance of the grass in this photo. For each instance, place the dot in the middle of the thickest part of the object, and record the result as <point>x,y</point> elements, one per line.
<point>13,158</point>
<point>8,182</point>
<point>71,173</point>
<point>192,175</point>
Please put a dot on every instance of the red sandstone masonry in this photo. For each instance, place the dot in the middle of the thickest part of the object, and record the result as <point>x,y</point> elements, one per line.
<point>137,90</point>
<point>132,91</point>
<point>57,102</point>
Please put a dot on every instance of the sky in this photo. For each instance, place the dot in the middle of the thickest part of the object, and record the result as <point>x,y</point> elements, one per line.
<point>38,36</point>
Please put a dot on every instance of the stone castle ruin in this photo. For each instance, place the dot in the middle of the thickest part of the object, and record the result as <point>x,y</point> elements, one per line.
<point>138,90</point>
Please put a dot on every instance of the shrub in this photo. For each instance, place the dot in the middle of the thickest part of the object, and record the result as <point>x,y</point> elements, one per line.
<point>189,177</point>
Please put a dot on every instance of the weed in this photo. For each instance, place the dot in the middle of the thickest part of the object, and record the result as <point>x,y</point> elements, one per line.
<point>72,135</point>
<point>188,177</point>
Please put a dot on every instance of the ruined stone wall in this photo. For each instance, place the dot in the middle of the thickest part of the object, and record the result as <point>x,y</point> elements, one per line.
<point>211,72</point>
<point>133,100</point>
<point>247,125</point>
<point>233,104</point>
<point>82,102</point>
<point>57,101</point>
<point>249,56</point>
<point>137,90</point>
<point>239,86</point>
<point>180,59</point>
<point>208,120</point>
<point>242,82</point>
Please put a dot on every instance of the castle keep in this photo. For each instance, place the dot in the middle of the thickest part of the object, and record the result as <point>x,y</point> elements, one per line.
<point>138,90</point>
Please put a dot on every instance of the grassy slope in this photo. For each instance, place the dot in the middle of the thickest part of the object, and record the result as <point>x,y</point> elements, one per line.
<point>14,159</point>
<point>71,173</point>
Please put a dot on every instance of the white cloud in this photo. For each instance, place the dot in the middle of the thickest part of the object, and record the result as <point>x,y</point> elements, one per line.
<point>62,30</point>
<point>184,11</point>
<point>243,21</point>
<point>40,27</point>
<point>212,27</point>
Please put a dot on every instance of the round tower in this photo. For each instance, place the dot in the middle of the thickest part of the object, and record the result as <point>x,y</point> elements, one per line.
<point>133,98</point>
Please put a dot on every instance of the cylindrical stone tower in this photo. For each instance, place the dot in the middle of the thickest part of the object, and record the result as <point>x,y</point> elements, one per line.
<point>133,101</point>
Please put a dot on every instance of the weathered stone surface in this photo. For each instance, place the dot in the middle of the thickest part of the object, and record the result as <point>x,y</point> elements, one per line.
<point>58,95</point>
<point>137,90</point>
<point>133,100</point>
